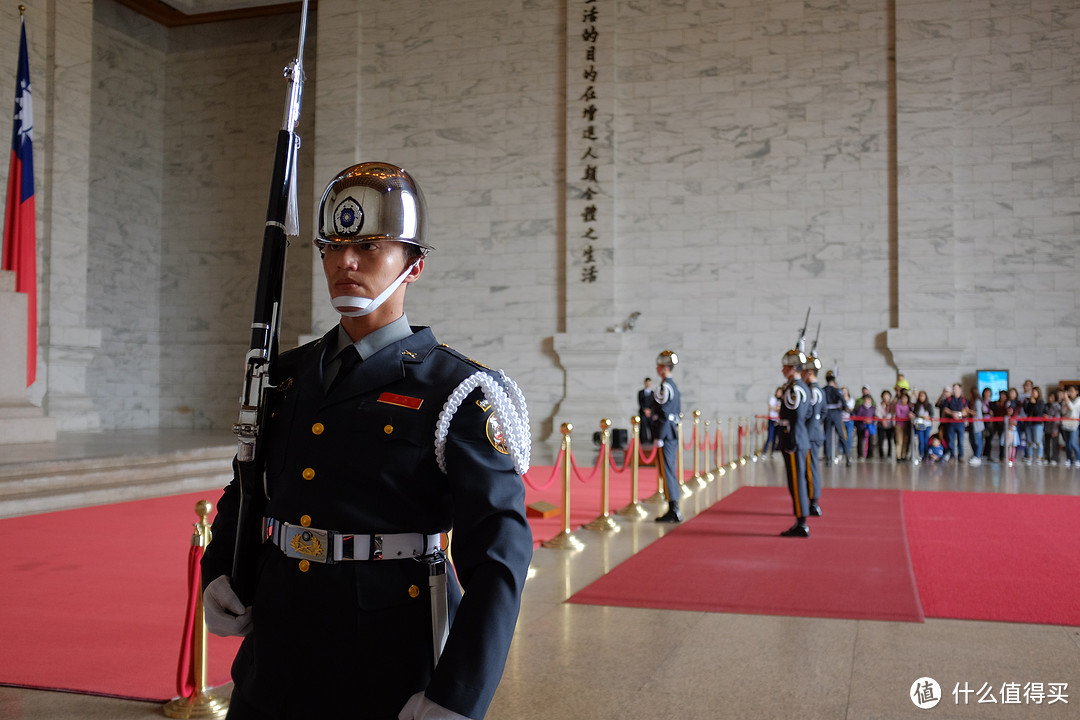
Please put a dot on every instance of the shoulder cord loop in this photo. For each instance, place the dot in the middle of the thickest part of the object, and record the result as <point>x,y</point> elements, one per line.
<point>509,408</point>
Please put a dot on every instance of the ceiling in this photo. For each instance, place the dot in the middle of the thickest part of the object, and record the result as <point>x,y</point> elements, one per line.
<point>195,7</point>
<point>174,13</point>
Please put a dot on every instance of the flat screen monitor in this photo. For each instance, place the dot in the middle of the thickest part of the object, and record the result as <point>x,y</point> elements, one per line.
<point>996,380</point>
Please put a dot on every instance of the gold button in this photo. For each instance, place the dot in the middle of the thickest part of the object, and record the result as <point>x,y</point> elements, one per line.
<point>317,428</point>
<point>304,565</point>
<point>308,473</point>
<point>413,591</point>
<point>305,520</point>
<point>388,429</point>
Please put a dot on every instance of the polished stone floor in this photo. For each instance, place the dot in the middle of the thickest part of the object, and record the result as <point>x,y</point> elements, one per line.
<point>581,661</point>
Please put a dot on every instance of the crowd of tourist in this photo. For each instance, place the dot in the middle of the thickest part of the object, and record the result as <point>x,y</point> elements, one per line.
<point>1018,425</point>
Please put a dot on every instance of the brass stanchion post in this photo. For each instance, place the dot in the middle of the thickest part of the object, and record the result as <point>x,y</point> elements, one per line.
<point>604,522</point>
<point>684,489</point>
<point>742,435</point>
<point>721,451</point>
<point>754,438</point>
<point>709,474</point>
<point>733,448</point>
<point>697,441</point>
<point>202,703</point>
<point>634,510</point>
<point>566,539</point>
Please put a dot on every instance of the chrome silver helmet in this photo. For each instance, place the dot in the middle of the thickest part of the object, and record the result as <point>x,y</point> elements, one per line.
<point>795,358</point>
<point>667,358</point>
<point>369,202</point>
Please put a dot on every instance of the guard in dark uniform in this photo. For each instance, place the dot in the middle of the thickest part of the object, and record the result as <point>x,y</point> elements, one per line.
<point>815,431</point>
<point>666,409</point>
<point>834,419</point>
<point>379,440</point>
<point>794,440</point>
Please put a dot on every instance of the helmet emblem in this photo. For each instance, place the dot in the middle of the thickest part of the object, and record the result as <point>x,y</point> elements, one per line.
<point>348,217</point>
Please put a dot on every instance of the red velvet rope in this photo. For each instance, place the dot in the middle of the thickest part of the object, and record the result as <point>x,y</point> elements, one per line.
<point>693,437</point>
<point>652,456</point>
<point>577,473</point>
<point>185,671</point>
<point>626,458</point>
<point>554,473</point>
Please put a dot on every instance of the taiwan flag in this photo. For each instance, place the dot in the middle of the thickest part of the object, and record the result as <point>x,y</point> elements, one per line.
<point>19,231</point>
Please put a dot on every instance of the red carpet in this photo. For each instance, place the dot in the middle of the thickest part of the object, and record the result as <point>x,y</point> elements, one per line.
<point>731,559</point>
<point>983,556</point>
<point>94,599</point>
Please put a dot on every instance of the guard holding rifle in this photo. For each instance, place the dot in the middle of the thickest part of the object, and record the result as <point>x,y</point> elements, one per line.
<point>378,442</point>
<point>794,440</point>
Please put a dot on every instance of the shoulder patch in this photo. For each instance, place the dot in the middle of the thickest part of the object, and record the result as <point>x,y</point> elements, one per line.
<point>492,429</point>
<point>494,433</point>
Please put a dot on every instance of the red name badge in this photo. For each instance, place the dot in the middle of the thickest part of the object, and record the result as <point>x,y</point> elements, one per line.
<point>401,401</point>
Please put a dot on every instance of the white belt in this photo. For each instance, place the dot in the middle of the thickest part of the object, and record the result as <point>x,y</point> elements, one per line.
<point>330,546</point>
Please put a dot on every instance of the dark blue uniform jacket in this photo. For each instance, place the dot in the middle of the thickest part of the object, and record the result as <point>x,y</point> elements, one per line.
<point>794,412</point>
<point>354,638</point>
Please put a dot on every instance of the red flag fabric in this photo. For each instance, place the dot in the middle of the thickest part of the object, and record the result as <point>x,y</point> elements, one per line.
<point>20,234</point>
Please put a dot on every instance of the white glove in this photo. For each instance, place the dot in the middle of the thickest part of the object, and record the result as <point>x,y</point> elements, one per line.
<point>420,708</point>
<point>225,614</point>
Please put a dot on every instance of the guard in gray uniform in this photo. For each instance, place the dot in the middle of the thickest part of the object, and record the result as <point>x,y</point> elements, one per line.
<point>794,440</point>
<point>834,419</point>
<point>379,442</point>
<point>815,432</point>
<point>666,409</point>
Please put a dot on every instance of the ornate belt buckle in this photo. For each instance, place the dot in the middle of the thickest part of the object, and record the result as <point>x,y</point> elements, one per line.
<point>307,543</point>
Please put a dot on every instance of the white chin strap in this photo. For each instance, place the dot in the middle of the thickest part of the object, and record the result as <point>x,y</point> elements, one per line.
<point>354,306</point>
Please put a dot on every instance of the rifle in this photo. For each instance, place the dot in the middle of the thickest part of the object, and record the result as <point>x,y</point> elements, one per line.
<point>261,359</point>
<point>801,344</point>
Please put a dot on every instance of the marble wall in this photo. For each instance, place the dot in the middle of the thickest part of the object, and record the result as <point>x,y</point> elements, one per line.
<point>225,99</point>
<point>767,156</point>
<point>124,262</point>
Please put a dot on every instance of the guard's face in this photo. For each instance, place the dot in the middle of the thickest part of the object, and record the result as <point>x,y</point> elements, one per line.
<point>365,269</point>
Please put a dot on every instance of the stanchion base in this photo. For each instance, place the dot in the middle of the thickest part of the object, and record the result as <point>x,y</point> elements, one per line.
<point>563,541</point>
<point>201,705</point>
<point>710,476</point>
<point>634,511</point>
<point>604,523</point>
<point>686,490</point>
<point>700,479</point>
<point>657,497</point>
